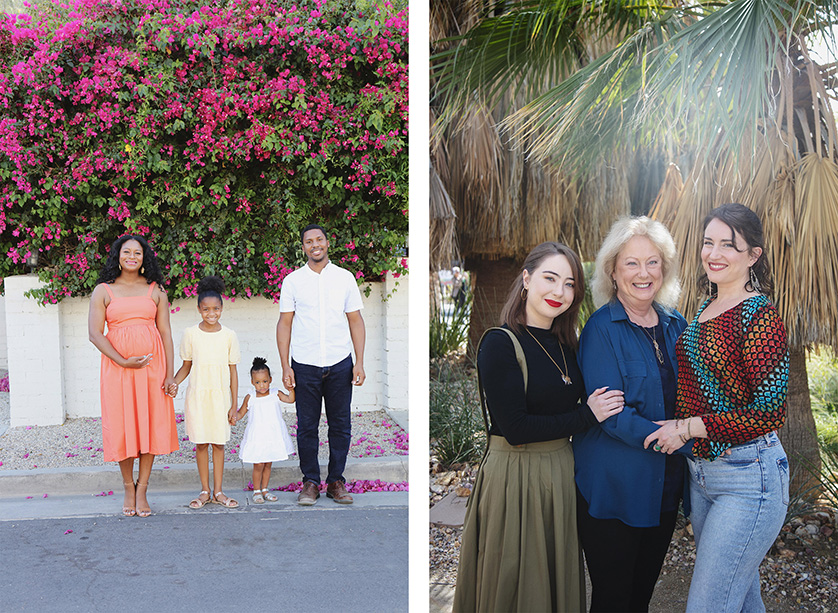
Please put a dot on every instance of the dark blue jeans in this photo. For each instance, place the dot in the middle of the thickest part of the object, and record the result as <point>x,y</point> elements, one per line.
<point>314,385</point>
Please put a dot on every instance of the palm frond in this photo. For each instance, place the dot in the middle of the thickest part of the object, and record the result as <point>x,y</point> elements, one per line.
<point>522,43</point>
<point>691,77</point>
<point>443,236</point>
<point>816,248</point>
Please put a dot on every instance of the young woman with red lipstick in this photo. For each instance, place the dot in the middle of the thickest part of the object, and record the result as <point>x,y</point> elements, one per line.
<point>520,550</point>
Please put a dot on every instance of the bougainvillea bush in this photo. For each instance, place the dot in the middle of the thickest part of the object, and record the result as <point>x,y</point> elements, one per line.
<point>216,130</point>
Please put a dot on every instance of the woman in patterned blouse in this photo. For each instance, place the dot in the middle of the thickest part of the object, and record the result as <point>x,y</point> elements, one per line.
<point>732,382</point>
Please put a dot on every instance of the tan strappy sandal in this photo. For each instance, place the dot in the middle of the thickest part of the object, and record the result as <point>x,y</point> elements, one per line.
<point>126,510</point>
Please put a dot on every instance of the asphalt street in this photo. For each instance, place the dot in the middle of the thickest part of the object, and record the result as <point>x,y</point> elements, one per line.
<point>75,553</point>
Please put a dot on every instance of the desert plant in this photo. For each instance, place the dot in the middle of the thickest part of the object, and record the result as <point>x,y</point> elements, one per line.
<point>448,328</point>
<point>456,422</point>
<point>822,367</point>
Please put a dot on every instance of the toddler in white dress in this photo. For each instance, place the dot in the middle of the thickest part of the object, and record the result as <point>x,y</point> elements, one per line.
<point>266,437</point>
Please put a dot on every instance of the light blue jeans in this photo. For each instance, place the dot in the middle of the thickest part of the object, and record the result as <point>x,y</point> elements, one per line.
<point>739,504</point>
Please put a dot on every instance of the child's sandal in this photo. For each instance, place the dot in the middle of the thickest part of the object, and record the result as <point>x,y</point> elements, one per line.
<point>257,497</point>
<point>198,502</point>
<point>227,502</point>
<point>268,496</point>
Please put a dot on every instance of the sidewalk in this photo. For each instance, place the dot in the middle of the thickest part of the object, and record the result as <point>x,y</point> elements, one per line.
<point>174,485</point>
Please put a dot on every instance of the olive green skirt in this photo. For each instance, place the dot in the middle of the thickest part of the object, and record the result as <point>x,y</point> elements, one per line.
<point>519,548</point>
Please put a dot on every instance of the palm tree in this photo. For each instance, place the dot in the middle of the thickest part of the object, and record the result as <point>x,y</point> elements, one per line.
<point>727,92</point>
<point>504,203</point>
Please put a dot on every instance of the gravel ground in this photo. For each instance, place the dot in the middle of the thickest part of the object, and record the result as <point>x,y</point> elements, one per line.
<point>78,442</point>
<point>800,572</point>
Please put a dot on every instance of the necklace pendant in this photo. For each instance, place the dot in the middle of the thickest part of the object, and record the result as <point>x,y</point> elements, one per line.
<point>566,380</point>
<point>658,352</point>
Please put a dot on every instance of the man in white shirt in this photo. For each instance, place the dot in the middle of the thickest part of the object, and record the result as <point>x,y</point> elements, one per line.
<point>324,304</point>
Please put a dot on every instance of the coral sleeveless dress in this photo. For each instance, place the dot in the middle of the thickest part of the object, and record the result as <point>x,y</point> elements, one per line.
<point>137,416</point>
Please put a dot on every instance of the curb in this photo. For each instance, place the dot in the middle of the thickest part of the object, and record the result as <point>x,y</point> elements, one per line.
<point>86,479</point>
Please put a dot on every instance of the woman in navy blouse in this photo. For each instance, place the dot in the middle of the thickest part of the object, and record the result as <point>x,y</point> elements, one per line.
<point>628,496</point>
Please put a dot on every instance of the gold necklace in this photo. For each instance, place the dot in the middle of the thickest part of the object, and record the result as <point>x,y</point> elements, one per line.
<point>654,339</point>
<point>565,377</point>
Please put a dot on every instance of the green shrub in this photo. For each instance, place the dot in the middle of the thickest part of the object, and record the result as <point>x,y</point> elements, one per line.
<point>456,423</point>
<point>822,368</point>
<point>448,329</point>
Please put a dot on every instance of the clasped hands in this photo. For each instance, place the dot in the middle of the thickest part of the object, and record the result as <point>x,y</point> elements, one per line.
<point>670,437</point>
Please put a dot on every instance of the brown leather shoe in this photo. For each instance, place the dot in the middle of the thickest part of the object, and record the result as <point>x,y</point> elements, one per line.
<point>337,491</point>
<point>309,495</point>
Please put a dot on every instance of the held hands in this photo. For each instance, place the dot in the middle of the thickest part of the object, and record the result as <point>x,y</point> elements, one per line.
<point>358,375</point>
<point>604,403</point>
<point>670,437</point>
<point>288,379</point>
<point>169,387</point>
<point>232,415</point>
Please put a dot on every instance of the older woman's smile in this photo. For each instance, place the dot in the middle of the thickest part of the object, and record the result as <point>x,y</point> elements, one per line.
<point>638,273</point>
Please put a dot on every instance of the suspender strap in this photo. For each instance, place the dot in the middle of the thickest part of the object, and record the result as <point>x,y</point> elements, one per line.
<point>522,363</point>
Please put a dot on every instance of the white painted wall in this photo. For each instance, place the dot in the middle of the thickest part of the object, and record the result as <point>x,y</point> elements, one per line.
<point>54,369</point>
<point>4,353</point>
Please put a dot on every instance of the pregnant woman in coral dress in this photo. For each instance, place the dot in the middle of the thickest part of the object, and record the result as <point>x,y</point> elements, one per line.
<point>137,374</point>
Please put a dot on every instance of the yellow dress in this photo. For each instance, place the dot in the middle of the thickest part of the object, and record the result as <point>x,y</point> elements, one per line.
<point>208,397</point>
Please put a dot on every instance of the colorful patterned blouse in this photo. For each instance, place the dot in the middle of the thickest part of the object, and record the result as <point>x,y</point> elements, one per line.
<point>733,372</point>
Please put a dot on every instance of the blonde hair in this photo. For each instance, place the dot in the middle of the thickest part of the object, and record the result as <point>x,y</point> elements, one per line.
<point>621,232</point>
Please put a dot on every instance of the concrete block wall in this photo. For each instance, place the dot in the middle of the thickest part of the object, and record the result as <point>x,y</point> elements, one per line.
<point>4,354</point>
<point>67,364</point>
<point>35,357</point>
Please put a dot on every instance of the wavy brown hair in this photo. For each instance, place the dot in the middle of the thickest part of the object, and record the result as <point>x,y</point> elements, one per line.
<point>743,220</point>
<point>565,325</point>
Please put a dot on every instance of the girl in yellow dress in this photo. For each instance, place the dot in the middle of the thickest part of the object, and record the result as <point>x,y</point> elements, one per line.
<point>210,353</point>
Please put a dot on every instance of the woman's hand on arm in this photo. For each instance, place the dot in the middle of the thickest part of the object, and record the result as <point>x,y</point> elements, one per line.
<point>599,363</point>
<point>604,403</point>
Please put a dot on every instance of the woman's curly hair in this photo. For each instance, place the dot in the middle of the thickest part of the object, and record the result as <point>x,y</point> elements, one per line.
<point>150,268</point>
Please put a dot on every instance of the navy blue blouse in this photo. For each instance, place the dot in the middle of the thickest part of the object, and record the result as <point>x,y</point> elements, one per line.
<point>618,478</point>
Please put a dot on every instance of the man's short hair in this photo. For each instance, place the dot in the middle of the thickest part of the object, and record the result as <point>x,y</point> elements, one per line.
<point>312,226</point>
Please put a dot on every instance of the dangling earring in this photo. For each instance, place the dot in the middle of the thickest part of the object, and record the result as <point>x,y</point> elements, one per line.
<point>754,280</point>
<point>142,270</point>
<point>120,267</point>
<point>524,293</point>
<point>614,284</point>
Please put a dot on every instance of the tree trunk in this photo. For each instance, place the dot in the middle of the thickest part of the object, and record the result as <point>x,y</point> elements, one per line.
<point>490,283</point>
<point>799,435</point>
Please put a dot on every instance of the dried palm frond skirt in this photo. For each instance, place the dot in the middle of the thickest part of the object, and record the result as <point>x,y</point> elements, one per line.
<point>519,548</point>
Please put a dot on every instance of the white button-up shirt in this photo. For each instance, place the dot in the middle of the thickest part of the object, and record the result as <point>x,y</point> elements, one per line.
<point>319,331</point>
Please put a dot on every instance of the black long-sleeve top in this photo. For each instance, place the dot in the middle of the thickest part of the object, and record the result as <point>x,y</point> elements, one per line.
<point>551,409</point>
